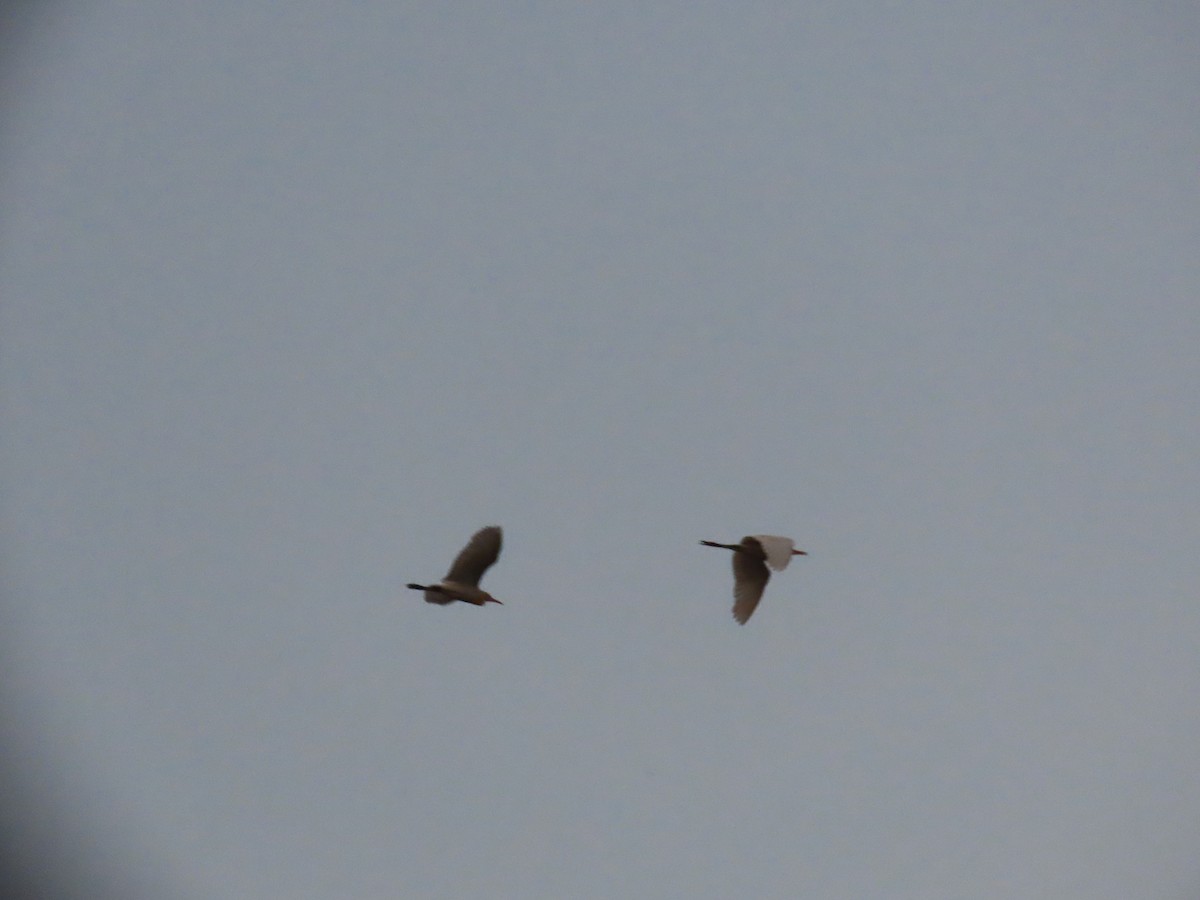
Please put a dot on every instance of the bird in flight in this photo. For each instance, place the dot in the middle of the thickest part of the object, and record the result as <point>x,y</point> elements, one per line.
<point>462,581</point>
<point>750,574</point>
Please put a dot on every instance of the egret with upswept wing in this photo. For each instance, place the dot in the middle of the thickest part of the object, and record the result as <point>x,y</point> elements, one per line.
<point>462,581</point>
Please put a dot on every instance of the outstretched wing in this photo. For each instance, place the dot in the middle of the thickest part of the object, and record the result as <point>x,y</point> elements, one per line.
<point>778,550</point>
<point>481,551</point>
<point>750,577</point>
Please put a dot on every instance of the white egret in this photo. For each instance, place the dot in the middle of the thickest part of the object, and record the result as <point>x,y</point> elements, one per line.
<point>750,575</point>
<point>462,581</point>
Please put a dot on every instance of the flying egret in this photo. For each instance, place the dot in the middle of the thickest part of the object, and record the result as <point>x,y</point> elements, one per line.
<point>462,581</point>
<point>750,575</point>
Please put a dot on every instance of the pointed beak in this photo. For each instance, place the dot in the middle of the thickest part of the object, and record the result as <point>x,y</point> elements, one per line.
<point>799,553</point>
<point>494,600</point>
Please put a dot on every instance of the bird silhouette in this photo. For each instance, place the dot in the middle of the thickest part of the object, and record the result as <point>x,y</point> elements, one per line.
<point>750,574</point>
<point>462,581</point>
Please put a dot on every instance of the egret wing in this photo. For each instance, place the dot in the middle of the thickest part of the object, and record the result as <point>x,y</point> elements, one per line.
<point>481,551</point>
<point>777,550</point>
<point>750,577</point>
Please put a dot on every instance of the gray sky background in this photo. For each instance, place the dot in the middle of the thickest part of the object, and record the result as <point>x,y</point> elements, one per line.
<point>296,297</point>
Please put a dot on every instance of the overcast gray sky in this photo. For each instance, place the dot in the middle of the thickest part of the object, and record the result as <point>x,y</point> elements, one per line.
<point>298,296</point>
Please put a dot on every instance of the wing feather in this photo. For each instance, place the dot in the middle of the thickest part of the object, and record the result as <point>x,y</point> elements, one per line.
<point>750,577</point>
<point>476,558</point>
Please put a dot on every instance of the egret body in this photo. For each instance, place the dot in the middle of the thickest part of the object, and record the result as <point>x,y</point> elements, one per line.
<point>462,581</point>
<point>750,573</point>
